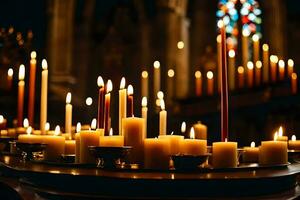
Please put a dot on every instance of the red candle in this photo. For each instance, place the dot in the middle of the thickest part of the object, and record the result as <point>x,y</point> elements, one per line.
<point>21,88</point>
<point>31,95</point>
<point>109,88</point>
<point>130,101</point>
<point>100,120</point>
<point>10,74</point>
<point>224,84</point>
<point>294,83</point>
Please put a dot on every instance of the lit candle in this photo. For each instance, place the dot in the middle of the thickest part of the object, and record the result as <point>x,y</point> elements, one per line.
<point>55,145</point>
<point>224,154</point>
<point>109,88</point>
<point>111,140</point>
<point>200,131</point>
<point>258,66</point>
<point>29,138</point>
<point>47,127</point>
<point>250,74</point>
<point>100,120</point>
<point>70,146</point>
<point>280,136</point>
<point>21,88</point>
<point>122,103</point>
<point>44,93</point>
<point>294,83</point>
<point>10,73</point>
<point>219,50</point>
<point>170,84</point>
<point>281,66</point>
<point>145,114</point>
<point>77,142</point>
<point>255,40</point>
<point>3,122</point>
<point>231,69</point>
<point>273,66</point>
<point>198,83</point>
<point>245,47</point>
<point>241,75</point>
<point>290,67</point>
<point>183,128</point>
<point>68,116</point>
<point>250,154</point>
<point>145,84</point>
<point>129,101</point>
<point>174,140</point>
<point>294,144</point>
<point>266,70</point>
<point>193,146</point>
<point>162,119</point>
<point>31,94</point>
<point>156,77</point>
<point>210,83</point>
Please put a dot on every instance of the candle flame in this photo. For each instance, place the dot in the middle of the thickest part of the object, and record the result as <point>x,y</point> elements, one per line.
<point>183,127</point>
<point>274,59</point>
<point>290,63</point>
<point>252,144</point>
<point>144,102</point>
<point>258,64</point>
<point>294,138</point>
<point>156,64</point>
<point>1,119</point>
<point>122,83</point>
<point>144,74</point>
<point>33,55</point>
<point>21,72</point>
<point>100,82</point>
<point>255,38</point>
<point>89,101</point>
<point>294,75</point>
<point>219,38</point>
<point>198,74</point>
<point>44,64</point>
<point>29,130</point>
<point>157,102</point>
<point>192,133</point>
<point>265,47</point>
<point>57,130</point>
<point>180,44</point>
<point>281,64</point>
<point>68,98</point>
<point>275,136</point>
<point>78,127</point>
<point>280,131</point>
<point>111,132</point>
<point>231,53</point>
<point>241,70</point>
<point>109,86</point>
<point>171,73</point>
<point>162,104</point>
<point>250,65</point>
<point>25,123</point>
<point>94,123</point>
<point>246,33</point>
<point>160,95</point>
<point>172,132</point>
<point>220,23</point>
<point>10,72</point>
<point>209,74</point>
<point>129,90</point>
<point>47,126</point>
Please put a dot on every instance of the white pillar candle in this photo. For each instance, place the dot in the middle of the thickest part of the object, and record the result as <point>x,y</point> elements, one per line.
<point>44,93</point>
<point>88,138</point>
<point>55,145</point>
<point>145,84</point>
<point>200,131</point>
<point>193,146</point>
<point>122,103</point>
<point>68,114</point>
<point>111,140</point>
<point>175,141</point>
<point>162,119</point>
<point>224,154</point>
<point>250,154</point>
<point>145,115</point>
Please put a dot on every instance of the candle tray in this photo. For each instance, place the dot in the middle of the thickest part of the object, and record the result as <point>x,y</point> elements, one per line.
<point>29,149</point>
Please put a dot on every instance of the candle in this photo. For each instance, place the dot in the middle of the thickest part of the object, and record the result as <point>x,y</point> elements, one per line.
<point>198,83</point>
<point>294,83</point>
<point>255,40</point>
<point>281,66</point>
<point>162,119</point>
<point>47,127</point>
<point>250,74</point>
<point>156,77</point>
<point>145,85</point>
<point>241,72</point>
<point>170,84</point>
<point>44,94</point>
<point>129,101</point>
<point>231,69</point>
<point>250,154</point>
<point>100,102</point>
<point>224,154</point>
<point>21,88</point>
<point>273,152</point>
<point>183,128</point>
<point>290,67</point>
<point>280,136</point>
<point>200,131</point>
<point>145,115</point>
<point>174,141</point>
<point>31,94</point>
<point>10,73</point>
<point>29,138</point>
<point>193,146</point>
<point>109,88</point>
<point>55,145</point>
<point>70,146</point>
<point>77,143</point>
<point>219,50</point>
<point>210,83</point>
<point>133,132</point>
<point>87,138</point>
<point>68,116</point>
<point>258,66</point>
<point>22,130</point>
<point>157,153</point>
<point>245,47</point>
<point>294,144</point>
<point>111,140</point>
<point>265,49</point>
<point>3,122</point>
<point>122,103</point>
<point>273,66</point>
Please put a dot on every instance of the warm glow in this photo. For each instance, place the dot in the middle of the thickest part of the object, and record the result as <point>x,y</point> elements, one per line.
<point>209,75</point>
<point>47,126</point>
<point>180,45</point>
<point>156,64</point>
<point>226,140</point>
<point>111,133</point>
<point>94,123</point>
<point>33,55</point>
<point>68,98</point>
<point>281,64</point>
<point>255,38</point>
<point>78,127</point>
<point>100,82</point>
<point>273,58</point>
<point>246,33</point>
<point>25,123</point>
<point>219,39</point>
<point>29,130</point>
<point>290,62</point>
<point>130,90</point>
<point>220,24</point>
<point>294,75</point>
<point>22,72</point>
<point>192,133</point>
<point>231,53</point>
<point>44,64</point>
<point>258,64</point>
<point>160,95</point>
<point>183,127</point>
<point>109,86</point>
<point>157,102</point>
<point>57,130</point>
<point>89,101</point>
<point>265,47</point>
<point>144,101</point>
<point>1,119</point>
<point>252,144</point>
<point>250,65</point>
<point>240,70</point>
<point>172,133</point>
<point>275,136</point>
<point>10,72</point>
<point>162,104</point>
<point>122,83</point>
<point>280,131</point>
<point>294,138</point>
<point>171,73</point>
<point>197,74</point>
<point>144,74</point>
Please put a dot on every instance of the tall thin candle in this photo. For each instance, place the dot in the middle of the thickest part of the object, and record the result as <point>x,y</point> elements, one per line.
<point>100,120</point>
<point>109,88</point>
<point>162,119</point>
<point>44,93</point>
<point>198,83</point>
<point>156,77</point>
<point>255,40</point>
<point>145,115</point>
<point>10,73</point>
<point>21,88</point>
<point>130,101</point>
<point>231,69</point>
<point>31,95</point>
<point>68,117</point>
<point>145,84</point>
<point>122,103</point>
<point>265,58</point>
<point>290,67</point>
